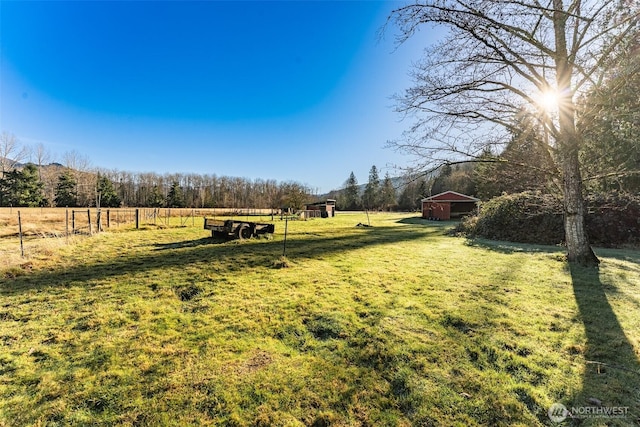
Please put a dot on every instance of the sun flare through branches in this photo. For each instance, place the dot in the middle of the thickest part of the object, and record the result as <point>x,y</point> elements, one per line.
<point>548,101</point>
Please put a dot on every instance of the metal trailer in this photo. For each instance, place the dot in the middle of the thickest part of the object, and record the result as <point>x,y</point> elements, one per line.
<point>234,229</point>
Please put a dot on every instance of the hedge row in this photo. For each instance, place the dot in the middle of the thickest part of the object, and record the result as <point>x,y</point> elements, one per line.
<point>613,219</point>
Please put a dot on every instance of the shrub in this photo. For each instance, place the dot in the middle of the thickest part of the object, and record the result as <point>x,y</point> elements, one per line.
<point>523,217</point>
<point>613,219</point>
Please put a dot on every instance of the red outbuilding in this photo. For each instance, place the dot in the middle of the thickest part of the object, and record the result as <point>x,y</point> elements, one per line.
<point>447,205</point>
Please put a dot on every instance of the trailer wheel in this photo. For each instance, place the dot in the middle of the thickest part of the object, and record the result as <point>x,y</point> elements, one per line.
<point>244,231</point>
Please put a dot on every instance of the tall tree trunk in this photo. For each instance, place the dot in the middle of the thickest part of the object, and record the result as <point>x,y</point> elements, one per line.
<point>578,248</point>
<point>569,141</point>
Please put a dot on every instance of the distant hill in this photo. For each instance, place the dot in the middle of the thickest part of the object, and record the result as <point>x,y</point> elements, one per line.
<point>19,165</point>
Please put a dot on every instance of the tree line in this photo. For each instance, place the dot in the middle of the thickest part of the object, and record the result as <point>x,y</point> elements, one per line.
<point>376,194</point>
<point>77,184</point>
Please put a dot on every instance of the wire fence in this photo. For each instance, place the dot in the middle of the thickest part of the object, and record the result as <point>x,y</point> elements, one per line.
<point>52,222</point>
<point>28,224</point>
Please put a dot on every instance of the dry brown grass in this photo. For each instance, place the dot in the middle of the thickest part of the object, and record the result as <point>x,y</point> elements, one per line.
<point>53,222</point>
<point>38,253</point>
<point>35,221</point>
<point>46,230</point>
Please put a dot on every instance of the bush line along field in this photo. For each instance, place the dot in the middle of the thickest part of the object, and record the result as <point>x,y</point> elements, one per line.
<point>395,324</point>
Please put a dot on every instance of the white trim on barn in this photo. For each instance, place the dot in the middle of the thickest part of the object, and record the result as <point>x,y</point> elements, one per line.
<point>447,205</point>
<point>464,196</point>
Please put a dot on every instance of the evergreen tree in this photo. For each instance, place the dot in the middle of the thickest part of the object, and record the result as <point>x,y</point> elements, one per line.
<point>351,194</point>
<point>525,164</point>
<point>388,193</point>
<point>485,175</point>
<point>4,192</point>
<point>175,198</point>
<point>22,188</point>
<point>66,193</point>
<point>441,181</point>
<point>107,193</point>
<point>424,190</point>
<point>610,116</point>
<point>155,199</point>
<point>414,191</point>
<point>371,196</point>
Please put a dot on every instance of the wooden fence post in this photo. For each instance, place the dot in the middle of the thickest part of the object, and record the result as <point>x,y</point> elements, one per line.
<point>89,219</point>
<point>137,218</point>
<point>284,242</point>
<point>66,227</point>
<point>73,222</point>
<point>20,233</point>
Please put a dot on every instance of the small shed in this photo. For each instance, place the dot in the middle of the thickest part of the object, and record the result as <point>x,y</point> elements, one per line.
<point>448,205</point>
<point>324,209</point>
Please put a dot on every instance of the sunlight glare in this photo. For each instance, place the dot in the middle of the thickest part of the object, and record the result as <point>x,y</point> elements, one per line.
<point>548,101</point>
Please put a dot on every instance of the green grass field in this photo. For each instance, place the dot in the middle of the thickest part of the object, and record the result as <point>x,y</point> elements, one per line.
<point>394,324</point>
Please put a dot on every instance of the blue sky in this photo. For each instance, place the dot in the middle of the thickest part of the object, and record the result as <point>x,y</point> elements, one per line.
<point>297,90</point>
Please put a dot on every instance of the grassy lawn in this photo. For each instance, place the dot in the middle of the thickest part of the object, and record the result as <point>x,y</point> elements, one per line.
<point>394,324</point>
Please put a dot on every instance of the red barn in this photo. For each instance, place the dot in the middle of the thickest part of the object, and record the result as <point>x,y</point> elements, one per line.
<point>448,205</point>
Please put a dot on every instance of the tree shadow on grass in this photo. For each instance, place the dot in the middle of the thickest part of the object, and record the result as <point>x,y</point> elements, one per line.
<point>235,255</point>
<point>612,371</point>
<point>188,243</point>
<point>611,376</point>
<point>512,247</point>
<point>418,220</point>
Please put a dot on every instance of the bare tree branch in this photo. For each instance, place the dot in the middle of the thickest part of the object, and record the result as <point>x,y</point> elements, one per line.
<point>11,152</point>
<point>497,59</point>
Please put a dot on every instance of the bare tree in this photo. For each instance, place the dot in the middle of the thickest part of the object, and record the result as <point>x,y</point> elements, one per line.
<point>502,56</point>
<point>76,161</point>
<point>41,156</point>
<point>85,178</point>
<point>48,175</point>
<point>294,195</point>
<point>11,152</point>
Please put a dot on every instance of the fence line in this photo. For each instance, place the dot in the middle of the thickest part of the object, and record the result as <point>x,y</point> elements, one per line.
<point>27,224</point>
<point>47,222</point>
